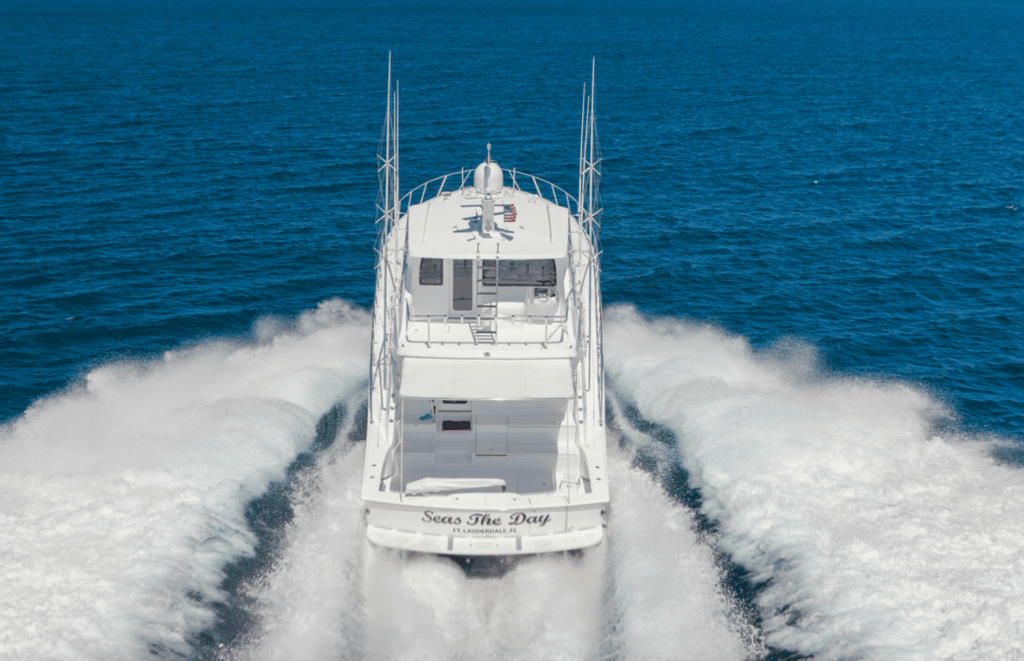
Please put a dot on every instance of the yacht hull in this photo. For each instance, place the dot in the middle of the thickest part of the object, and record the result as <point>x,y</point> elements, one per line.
<point>485,530</point>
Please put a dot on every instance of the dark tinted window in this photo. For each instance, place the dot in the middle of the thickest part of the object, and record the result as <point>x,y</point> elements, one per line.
<point>431,271</point>
<point>462,285</point>
<point>455,425</point>
<point>520,272</point>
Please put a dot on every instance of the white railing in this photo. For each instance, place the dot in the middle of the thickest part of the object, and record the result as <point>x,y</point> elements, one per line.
<point>553,324</point>
<point>456,181</point>
<point>556,328</point>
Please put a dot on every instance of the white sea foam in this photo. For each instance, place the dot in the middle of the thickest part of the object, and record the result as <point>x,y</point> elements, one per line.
<point>426,608</point>
<point>309,605</point>
<point>668,588</point>
<point>880,537</point>
<point>331,596</point>
<point>652,593</point>
<point>122,500</point>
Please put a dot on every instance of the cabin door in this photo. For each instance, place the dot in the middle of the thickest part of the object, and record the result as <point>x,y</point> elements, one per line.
<point>462,285</point>
<point>491,436</point>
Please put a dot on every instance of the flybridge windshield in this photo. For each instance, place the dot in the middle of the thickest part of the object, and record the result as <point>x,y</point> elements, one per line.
<point>519,273</point>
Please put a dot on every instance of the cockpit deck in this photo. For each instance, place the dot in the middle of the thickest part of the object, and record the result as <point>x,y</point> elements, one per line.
<point>522,447</point>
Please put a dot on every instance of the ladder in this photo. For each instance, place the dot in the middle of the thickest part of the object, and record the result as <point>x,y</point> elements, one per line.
<point>485,326</point>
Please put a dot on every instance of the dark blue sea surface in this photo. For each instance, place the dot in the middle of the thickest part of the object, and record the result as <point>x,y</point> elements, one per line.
<point>844,175</point>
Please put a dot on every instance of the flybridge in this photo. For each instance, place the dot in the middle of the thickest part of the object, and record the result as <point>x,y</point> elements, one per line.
<point>486,408</point>
<point>465,222</point>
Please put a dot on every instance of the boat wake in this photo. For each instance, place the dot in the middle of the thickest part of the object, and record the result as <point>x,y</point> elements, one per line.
<point>869,533</point>
<point>873,533</point>
<point>123,499</point>
<point>653,591</point>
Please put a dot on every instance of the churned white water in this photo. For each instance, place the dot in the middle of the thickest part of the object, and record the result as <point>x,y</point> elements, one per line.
<point>122,500</point>
<point>875,535</point>
<point>878,536</point>
<point>309,605</point>
<point>653,592</point>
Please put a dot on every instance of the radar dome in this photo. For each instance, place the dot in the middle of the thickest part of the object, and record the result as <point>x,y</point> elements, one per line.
<point>488,178</point>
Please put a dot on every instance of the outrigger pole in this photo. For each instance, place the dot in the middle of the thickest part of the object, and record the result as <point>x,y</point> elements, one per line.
<point>588,212</point>
<point>588,201</point>
<point>388,211</point>
<point>387,159</point>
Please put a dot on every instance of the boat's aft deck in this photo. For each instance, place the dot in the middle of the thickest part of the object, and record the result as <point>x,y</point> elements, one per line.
<point>517,444</point>
<point>522,474</point>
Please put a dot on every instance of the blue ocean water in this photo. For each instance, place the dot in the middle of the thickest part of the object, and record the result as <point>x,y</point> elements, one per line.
<point>837,179</point>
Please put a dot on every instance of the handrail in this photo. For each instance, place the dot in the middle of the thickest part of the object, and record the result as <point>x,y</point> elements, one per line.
<point>550,331</point>
<point>456,181</point>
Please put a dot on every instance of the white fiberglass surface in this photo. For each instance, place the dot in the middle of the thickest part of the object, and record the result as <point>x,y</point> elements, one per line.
<point>515,442</point>
<point>487,379</point>
<point>882,537</point>
<point>428,485</point>
<point>516,474</point>
<point>439,228</point>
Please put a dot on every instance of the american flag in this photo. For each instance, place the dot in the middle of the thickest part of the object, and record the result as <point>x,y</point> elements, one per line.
<point>510,213</point>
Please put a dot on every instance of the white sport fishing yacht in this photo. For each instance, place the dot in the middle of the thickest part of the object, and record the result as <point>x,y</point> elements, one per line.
<point>486,425</point>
